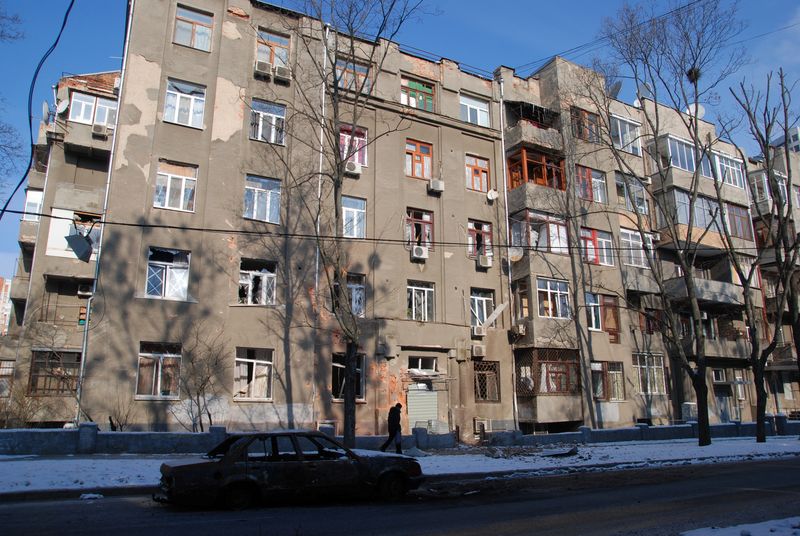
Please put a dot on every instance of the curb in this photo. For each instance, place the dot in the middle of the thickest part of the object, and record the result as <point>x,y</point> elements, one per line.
<point>75,493</point>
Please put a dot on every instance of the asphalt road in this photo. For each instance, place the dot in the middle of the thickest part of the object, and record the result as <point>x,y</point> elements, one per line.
<point>645,502</point>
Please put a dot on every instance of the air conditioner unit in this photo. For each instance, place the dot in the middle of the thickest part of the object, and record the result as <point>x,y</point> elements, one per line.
<point>478,350</point>
<point>481,425</point>
<point>436,186</point>
<point>518,330</point>
<point>353,168</point>
<point>263,68</point>
<point>419,252</point>
<point>484,261</point>
<point>84,290</point>
<point>282,73</point>
<point>704,315</point>
<point>99,130</point>
<point>478,331</point>
<point>647,180</point>
<point>655,236</point>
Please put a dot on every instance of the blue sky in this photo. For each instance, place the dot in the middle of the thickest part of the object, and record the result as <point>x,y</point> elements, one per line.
<point>485,35</point>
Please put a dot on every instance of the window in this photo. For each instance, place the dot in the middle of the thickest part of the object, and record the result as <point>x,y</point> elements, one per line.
<point>631,193</point>
<point>705,211</point>
<point>89,110</point>
<point>558,375</point>
<point>420,301</point>
<point>481,305</point>
<point>585,125</point>
<point>353,145</point>
<point>167,274</point>
<point>477,170</point>
<point>159,371</point>
<point>739,222</point>
<point>54,373</point>
<point>633,248</point>
<point>598,247</point>
<point>608,381</point>
<point>649,370</point>
<point>539,231</point>
<point>419,228</point>
<point>257,282</point>
<point>6,377</point>
<point>33,205</point>
<point>474,110</point>
<point>87,226</point>
<point>421,363</point>
<point>273,49</point>
<point>479,238</point>
<point>682,156</point>
<point>267,122</point>
<point>591,184</point>
<point>416,94</point>
<point>553,298</point>
<point>338,376</point>
<point>537,168</point>
<point>762,190</point>
<point>487,381</point>
<point>354,217</point>
<point>730,171</point>
<point>353,76</point>
<point>193,28</point>
<point>419,157</point>
<point>175,186</point>
<point>262,199</point>
<point>610,310</point>
<point>650,321</point>
<point>356,292</point>
<point>521,299</point>
<point>184,103</point>
<point>252,376</point>
<point>625,135</point>
<point>73,234</point>
<point>593,315</point>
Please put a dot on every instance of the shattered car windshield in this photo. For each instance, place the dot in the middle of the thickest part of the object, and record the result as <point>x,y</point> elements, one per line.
<point>222,449</point>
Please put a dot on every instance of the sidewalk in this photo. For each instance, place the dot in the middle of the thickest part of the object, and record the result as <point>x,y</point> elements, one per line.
<point>41,477</point>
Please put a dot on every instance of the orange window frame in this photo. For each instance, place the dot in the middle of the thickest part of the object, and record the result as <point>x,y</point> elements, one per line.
<point>418,157</point>
<point>478,177</point>
<point>271,45</point>
<point>193,23</point>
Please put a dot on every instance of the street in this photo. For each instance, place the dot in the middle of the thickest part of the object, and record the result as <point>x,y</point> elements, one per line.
<point>652,501</point>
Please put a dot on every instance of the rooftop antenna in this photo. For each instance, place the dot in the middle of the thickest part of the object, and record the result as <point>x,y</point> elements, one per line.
<point>45,112</point>
<point>613,91</point>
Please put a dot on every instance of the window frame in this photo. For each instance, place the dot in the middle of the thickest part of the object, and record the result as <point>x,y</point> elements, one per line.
<point>271,196</point>
<point>356,294</point>
<point>33,208</point>
<point>557,302</point>
<point>415,220</point>
<point>479,238</point>
<point>585,125</point>
<point>358,152</point>
<point>634,238</point>
<point>556,237</point>
<point>178,96</point>
<point>6,377</point>
<point>740,224</point>
<point>481,305</point>
<point>267,361</point>
<point>633,192</point>
<point>612,379</point>
<point>725,163</point>
<point>351,73</point>
<point>591,184</point>
<point>158,358</point>
<point>490,372</point>
<point>627,140</point>
<point>274,120</point>
<point>168,270</point>
<point>96,104</point>
<point>49,367</point>
<point>421,360</point>
<point>354,219</point>
<point>426,290</point>
<point>468,104</point>
<point>561,377</point>
<point>268,288</point>
<point>264,40</point>
<point>477,170</point>
<point>415,156</point>
<point>601,243</point>
<point>361,395</point>
<point>429,97</point>
<point>194,25</point>
<point>593,312</point>
<point>651,374</point>
<point>169,177</point>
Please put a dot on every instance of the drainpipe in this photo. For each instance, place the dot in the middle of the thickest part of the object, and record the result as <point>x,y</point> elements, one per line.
<point>85,342</point>
<point>317,223</point>
<point>508,242</point>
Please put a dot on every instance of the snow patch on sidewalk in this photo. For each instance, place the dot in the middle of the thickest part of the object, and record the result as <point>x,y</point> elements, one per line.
<point>776,527</point>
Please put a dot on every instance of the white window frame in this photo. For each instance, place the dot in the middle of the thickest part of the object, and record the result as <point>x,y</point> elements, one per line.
<point>557,292</point>
<point>166,180</point>
<point>481,305</point>
<point>650,372</point>
<point>354,217</point>
<point>174,279</point>
<point>421,293</point>
<point>6,377</point>
<point>594,316</point>
<point>633,248</point>
<point>634,192</point>
<point>357,291</point>
<point>421,361</point>
<point>474,110</point>
<point>34,200</point>
<point>262,190</point>
<point>602,244</point>
<point>251,367</point>
<point>89,109</point>
<point>157,375</point>
<point>627,138</point>
<point>195,103</point>
<point>553,240</point>
<point>360,388</point>
<point>268,287</point>
<point>268,122</point>
<point>729,170</point>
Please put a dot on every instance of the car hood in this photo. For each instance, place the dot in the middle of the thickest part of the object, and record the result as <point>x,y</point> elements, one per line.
<point>362,453</point>
<point>172,465</point>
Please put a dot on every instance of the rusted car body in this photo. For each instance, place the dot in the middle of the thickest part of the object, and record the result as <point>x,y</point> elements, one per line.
<point>248,468</point>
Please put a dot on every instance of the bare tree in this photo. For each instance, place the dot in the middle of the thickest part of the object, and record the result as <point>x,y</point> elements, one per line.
<point>10,148</point>
<point>341,52</point>
<point>9,25</point>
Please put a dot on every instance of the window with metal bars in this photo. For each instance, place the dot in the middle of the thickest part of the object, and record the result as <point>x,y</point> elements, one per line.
<point>487,381</point>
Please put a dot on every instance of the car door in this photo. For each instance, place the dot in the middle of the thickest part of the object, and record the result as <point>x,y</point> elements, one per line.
<point>274,463</point>
<point>329,466</point>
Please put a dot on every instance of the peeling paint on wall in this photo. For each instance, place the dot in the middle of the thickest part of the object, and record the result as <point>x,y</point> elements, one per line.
<point>230,98</point>
<point>230,31</point>
<point>141,77</point>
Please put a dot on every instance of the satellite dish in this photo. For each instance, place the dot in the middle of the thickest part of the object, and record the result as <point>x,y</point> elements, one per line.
<point>613,91</point>
<point>700,109</point>
<point>515,253</point>
<point>62,106</point>
<point>491,195</point>
<point>637,104</point>
<point>644,91</point>
<point>45,112</point>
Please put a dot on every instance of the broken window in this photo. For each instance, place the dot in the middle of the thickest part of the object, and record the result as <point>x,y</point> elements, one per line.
<point>537,168</point>
<point>481,305</point>
<point>86,232</point>
<point>631,193</point>
<point>175,186</point>
<point>419,228</point>
<point>184,103</point>
<point>338,376</point>
<point>479,238</point>
<point>421,363</point>
<point>167,274</point>
<point>598,248</point>
<point>252,378</point>
<point>420,298</point>
<point>262,199</point>
<point>33,205</point>
<point>257,281</point>
<point>193,28</point>
<point>356,292</point>
<point>553,298</point>
<point>539,231</point>
<point>159,370</point>
<point>487,381</point>
<point>625,135</point>
<point>54,373</point>
<point>521,299</point>
<point>267,121</point>
<point>591,184</point>
<point>585,125</point>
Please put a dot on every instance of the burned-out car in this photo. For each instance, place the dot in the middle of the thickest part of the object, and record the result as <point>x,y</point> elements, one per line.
<point>247,468</point>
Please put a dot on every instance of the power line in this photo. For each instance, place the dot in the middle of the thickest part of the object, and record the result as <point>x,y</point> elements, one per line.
<point>30,106</point>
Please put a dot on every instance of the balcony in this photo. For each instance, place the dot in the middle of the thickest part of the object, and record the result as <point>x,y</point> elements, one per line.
<point>783,358</point>
<point>639,280</point>
<point>708,291</point>
<point>721,348</point>
<point>84,139</point>
<point>19,288</point>
<point>27,233</point>
<point>534,135</point>
<point>674,177</point>
<point>36,179</point>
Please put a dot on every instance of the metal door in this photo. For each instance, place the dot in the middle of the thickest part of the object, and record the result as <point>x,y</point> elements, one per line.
<point>423,408</point>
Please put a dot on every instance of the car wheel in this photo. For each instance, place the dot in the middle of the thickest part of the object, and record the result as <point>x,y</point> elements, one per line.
<point>392,487</point>
<point>238,497</point>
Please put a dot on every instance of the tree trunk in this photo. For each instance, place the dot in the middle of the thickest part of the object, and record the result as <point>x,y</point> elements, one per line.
<point>350,380</point>
<point>701,391</point>
<point>761,403</point>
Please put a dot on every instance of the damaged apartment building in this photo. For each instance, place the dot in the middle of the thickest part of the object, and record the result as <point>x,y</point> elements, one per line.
<point>491,260</point>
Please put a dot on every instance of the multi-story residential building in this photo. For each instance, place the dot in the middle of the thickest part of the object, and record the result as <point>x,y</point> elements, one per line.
<point>794,140</point>
<point>5,304</point>
<point>489,236</point>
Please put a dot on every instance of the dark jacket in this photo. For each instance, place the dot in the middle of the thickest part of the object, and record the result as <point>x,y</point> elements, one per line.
<point>394,420</point>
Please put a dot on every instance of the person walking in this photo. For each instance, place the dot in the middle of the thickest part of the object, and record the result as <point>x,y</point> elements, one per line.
<point>394,429</point>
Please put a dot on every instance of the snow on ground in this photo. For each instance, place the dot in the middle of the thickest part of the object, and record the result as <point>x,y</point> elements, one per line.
<point>38,473</point>
<point>776,527</point>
